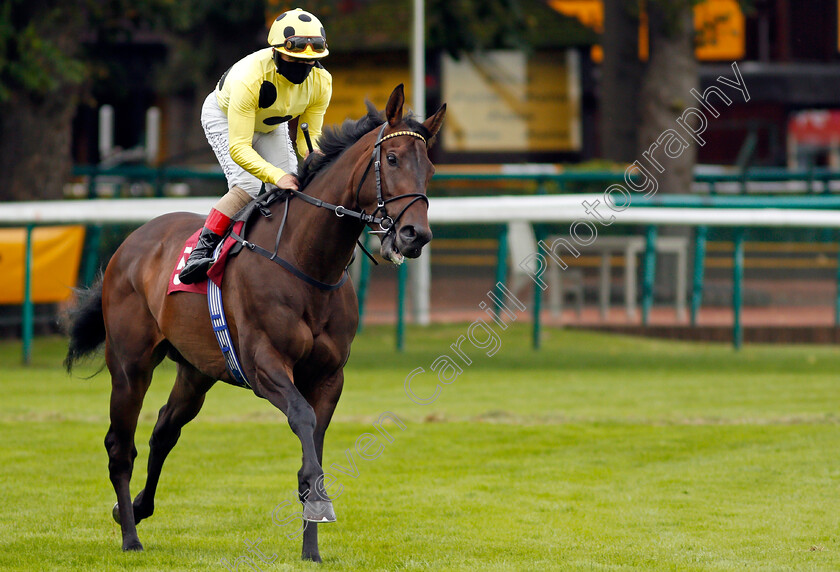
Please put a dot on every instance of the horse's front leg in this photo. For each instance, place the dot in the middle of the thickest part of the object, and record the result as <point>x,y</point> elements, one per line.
<point>274,382</point>
<point>323,398</point>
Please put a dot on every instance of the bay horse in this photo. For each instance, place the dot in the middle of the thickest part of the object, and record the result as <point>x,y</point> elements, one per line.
<point>293,337</point>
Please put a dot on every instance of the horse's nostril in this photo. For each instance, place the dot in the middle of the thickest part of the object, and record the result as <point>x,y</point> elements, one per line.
<point>412,239</point>
<point>408,233</point>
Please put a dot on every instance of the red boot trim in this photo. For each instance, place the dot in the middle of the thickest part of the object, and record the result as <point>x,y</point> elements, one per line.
<point>217,222</point>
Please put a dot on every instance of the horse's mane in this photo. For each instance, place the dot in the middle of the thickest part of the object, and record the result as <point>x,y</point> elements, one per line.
<point>336,139</point>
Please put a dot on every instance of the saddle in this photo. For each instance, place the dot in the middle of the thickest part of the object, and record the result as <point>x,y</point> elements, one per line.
<point>229,246</point>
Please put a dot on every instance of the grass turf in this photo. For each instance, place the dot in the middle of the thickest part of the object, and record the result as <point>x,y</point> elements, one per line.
<point>598,452</point>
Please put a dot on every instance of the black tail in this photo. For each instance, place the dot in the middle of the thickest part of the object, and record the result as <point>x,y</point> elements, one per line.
<point>85,324</point>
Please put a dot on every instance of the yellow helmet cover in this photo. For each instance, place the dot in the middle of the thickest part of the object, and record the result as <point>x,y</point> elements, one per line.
<point>299,34</point>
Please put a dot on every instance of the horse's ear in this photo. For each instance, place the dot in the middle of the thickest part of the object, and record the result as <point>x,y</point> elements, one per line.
<point>433,123</point>
<point>394,109</point>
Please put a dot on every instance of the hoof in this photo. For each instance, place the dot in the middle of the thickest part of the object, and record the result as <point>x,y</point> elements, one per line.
<point>312,557</point>
<point>318,511</point>
<point>134,546</point>
<point>141,511</point>
<point>115,512</point>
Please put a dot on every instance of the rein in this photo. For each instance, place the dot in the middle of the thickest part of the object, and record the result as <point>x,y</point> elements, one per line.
<point>386,223</point>
<point>285,263</point>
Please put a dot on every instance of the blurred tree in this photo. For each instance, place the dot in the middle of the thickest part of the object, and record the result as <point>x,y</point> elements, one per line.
<point>53,54</point>
<point>47,61</point>
<point>669,76</point>
<point>639,100</point>
<point>464,26</point>
<point>631,122</point>
<point>663,85</point>
<point>205,38</point>
<point>663,93</point>
<point>456,26</point>
<point>621,75</point>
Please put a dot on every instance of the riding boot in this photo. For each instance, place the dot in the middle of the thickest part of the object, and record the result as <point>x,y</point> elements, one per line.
<point>201,256</point>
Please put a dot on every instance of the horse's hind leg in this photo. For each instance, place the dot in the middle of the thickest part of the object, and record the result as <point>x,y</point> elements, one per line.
<point>184,403</point>
<point>131,361</point>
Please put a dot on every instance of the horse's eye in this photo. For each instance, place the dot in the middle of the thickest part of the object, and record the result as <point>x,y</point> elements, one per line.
<point>392,159</point>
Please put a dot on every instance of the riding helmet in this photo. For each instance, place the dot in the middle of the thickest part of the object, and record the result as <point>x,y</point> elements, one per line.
<point>308,38</point>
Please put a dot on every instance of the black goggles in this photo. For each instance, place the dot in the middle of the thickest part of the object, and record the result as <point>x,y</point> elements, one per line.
<point>297,44</point>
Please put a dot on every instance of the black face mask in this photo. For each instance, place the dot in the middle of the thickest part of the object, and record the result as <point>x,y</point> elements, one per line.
<point>295,72</point>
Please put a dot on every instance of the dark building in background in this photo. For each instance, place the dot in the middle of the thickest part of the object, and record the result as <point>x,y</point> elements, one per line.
<point>789,56</point>
<point>791,64</point>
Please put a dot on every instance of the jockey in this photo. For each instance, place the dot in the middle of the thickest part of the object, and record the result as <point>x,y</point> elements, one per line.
<point>245,120</point>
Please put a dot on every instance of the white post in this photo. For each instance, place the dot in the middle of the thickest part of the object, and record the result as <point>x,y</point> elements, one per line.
<point>420,271</point>
<point>606,282</point>
<point>152,135</point>
<point>106,131</point>
<point>418,60</point>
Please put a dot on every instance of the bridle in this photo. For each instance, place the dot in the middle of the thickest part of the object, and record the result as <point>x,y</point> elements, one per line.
<point>376,161</point>
<point>386,223</point>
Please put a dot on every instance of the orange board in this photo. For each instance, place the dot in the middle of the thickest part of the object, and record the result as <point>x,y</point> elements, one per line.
<point>719,25</point>
<point>56,253</point>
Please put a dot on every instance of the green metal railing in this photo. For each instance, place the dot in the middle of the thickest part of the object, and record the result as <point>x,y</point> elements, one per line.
<point>501,266</point>
<point>158,177</point>
<point>402,280</point>
<point>700,235</point>
<point>737,289</point>
<point>28,306</point>
<point>649,278</point>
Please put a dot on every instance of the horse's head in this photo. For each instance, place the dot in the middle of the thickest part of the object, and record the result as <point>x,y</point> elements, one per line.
<point>401,150</point>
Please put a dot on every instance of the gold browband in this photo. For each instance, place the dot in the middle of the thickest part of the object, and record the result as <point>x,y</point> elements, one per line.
<point>398,133</point>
